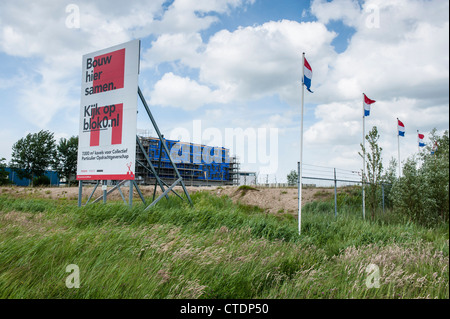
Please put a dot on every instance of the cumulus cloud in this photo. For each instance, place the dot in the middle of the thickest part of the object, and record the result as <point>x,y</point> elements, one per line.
<point>263,60</point>
<point>40,32</point>
<point>184,47</point>
<point>402,64</point>
<point>407,55</point>
<point>40,102</point>
<point>180,92</point>
<point>37,31</point>
<point>339,123</point>
<point>398,55</point>
<point>402,57</point>
<point>250,62</point>
<point>189,16</point>
<point>347,11</point>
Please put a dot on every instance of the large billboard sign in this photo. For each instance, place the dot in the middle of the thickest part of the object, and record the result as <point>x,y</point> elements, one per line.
<point>107,134</point>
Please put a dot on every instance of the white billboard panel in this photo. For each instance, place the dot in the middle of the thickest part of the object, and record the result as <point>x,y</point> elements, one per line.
<point>107,134</point>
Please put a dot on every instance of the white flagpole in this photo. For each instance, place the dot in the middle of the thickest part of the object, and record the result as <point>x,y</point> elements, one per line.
<point>418,142</point>
<point>398,142</point>
<point>301,152</point>
<point>364,160</point>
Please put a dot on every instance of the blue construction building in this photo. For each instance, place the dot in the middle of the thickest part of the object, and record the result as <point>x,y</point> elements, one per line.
<point>197,164</point>
<point>14,178</point>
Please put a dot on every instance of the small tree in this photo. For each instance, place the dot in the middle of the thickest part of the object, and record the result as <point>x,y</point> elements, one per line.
<point>388,179</point>
<point>374,166</point>
<point>65,162</point>
<point>33,154</point>
<point>407,193</point>
<point>292,178</point>
<point>422,194</point>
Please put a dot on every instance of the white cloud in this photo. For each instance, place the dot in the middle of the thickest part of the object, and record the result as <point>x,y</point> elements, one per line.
<point>248,63</point>
<point>338,123</point>
<point>180,92</point>
<point>6,142</point>
<point>172,47</point>
<point>39,102</point>
<point>348,11</point>
<point>263,60</point>
<point>406,56</point>
<point>335,136</point>
<point>190,16</point>
<point>403,65</point>
<point>40,32</point>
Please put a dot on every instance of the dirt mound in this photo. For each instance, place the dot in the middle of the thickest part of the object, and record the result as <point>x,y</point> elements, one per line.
<point>274,200</point>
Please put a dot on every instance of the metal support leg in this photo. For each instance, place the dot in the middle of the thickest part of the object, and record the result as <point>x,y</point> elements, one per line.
<point>164,144</point>
<point>139,192</point>
<point>80,192</point>
<point>130,199</point>
<point>150,165</point>
<point>90,196</point>
<point>163,194</point>
<point>104,188</point>
<point>109,192</point>
<point>121,194</point>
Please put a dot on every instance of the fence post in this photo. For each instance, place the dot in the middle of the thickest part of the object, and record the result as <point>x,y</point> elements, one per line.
<point>335,194</point>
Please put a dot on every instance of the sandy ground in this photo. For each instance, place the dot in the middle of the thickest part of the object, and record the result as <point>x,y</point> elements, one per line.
<point>274,200</point>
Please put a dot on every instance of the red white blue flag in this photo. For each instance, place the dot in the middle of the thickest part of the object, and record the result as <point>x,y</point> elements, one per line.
<point>420,138</point>
<point>307,75</point>
<point>367,103</point>
<point>401,128</point>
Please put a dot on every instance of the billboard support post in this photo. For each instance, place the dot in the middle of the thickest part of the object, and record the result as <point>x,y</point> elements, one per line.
<point>104,189</point>
<point>161,138</point>
<point>130,197</point>
<point>80,192</point>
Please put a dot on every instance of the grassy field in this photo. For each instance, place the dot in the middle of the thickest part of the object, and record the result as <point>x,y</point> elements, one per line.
<point>216,249</point>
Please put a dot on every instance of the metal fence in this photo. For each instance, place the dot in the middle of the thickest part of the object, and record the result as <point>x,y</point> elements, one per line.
<point>330,177</point>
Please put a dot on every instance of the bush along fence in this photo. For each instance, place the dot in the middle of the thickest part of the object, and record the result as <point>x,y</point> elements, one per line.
<point>347,178</point>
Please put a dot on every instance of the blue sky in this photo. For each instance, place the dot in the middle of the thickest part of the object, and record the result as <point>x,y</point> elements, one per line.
<point>236,64</point>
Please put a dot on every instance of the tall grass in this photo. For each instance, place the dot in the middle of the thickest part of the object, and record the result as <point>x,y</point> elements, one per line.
<point>216,249</point>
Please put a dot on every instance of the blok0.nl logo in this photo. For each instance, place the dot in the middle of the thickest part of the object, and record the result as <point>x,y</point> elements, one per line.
<point>105,119</point>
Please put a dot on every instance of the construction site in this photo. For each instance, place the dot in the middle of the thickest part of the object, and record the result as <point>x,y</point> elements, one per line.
<point>198,164</point>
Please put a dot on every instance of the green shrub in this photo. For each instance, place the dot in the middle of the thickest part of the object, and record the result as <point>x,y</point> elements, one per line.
<point>422,193</point>
<point>41,181</point>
